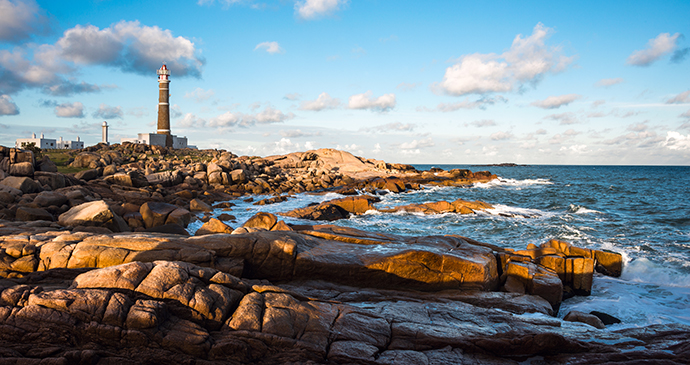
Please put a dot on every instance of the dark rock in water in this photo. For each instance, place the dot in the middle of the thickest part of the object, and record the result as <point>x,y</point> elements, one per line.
<point>590,319</point>
<point>606,318</point>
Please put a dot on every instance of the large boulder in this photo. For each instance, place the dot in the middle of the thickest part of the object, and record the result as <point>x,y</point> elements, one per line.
<point>335,209</point>
<point>590,319</point>
<point>166,178</point>
<point>22,169</point>
<point>26,214</point>
<point>213,226</point>
<point>132,178</point>
<point>47,165</point>
<point>53,179</point>
<point>196,205</point>
<point>48,198</point>
<point>96,213</point>
<point>25,184</point>
<point>87,175</point>
<point>238,176</point>
<point>157,214</point>
<point>87,159</point>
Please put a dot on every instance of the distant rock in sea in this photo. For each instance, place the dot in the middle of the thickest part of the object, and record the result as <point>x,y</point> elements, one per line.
<point>503,164</point>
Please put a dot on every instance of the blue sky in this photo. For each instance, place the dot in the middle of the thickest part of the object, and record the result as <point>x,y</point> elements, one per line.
<point>403,81</point>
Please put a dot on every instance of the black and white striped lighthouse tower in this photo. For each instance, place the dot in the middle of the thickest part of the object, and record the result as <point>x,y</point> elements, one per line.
<point>164,103</point>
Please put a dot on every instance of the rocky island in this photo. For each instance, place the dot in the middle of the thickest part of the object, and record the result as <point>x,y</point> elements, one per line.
<point>97,267</point>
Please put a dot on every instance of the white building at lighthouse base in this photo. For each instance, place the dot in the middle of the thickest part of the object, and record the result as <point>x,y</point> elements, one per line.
<point>154,139</point>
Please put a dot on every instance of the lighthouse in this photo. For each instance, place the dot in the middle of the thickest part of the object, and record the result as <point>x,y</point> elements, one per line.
<point>163,100</point>
<point>163,136</point>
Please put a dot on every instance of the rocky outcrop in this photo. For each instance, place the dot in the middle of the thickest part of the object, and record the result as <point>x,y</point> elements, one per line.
<point>170,299</point>
<point>342,208</point>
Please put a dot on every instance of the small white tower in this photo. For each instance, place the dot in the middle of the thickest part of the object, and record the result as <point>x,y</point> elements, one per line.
<point>105,132</point>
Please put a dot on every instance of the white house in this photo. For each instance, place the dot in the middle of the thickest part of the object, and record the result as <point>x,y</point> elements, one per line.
<point>48,143</point>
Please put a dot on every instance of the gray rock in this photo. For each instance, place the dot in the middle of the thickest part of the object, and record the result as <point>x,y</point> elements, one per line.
<point>48,198</point>
<point>87,174</point>
<point>26,214</point>
<point>22,169</point>
<point>25,184</point>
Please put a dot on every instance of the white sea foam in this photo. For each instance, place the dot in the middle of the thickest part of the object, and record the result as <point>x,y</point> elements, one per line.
<point>642,270</point>
<point>633,303</point>
<point>508,211</point>
<point>503,182</point>
<point>578,209</point>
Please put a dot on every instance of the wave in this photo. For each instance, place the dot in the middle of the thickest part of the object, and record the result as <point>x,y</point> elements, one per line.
<point>578,209</point>
<point>503,182</point>
<point>514,212</point>
<point>642,270</point>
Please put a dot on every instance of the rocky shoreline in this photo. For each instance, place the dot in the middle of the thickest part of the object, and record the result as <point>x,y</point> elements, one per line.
<point>97,268</point>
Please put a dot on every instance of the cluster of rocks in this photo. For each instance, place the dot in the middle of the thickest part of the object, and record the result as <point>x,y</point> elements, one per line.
<point>128,176</point>
<point>78,286</point>
<point>342,208</point>
<point>277,294</point>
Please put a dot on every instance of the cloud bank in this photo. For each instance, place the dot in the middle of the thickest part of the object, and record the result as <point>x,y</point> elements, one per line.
<point>526,62</point>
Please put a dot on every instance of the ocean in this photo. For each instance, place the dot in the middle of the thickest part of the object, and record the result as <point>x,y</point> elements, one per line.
<point>642,212</point>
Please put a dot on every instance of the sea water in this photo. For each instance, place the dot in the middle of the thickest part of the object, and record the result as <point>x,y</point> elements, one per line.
<point>641,212</point>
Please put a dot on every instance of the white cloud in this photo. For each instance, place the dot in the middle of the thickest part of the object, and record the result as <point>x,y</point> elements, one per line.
<point>663,44</point>
<point>571,133</point>
<point>108,112</point>
<point>501,136</point>
<point>577,148</point>
<point>285,146</point>
<point>383,103</point>
<point>483,123</point>
<point>416,144</point>
<point>71,110</point>
<point>293,96</point>
<point>314,9</point>
<point>395,127</point>
<point>527,61</point>
<point>309,145</point>
<point>227,119</point>
<point>598,103</point>
<point>540,131</point>
<point>191,121</point>
<point>554,102</point>
<point>563,118</point>
<point>200,94</point>
<point>270,47</point>
<point>639,127</point>
<point>609,82</point>
<point>596,115</point>
<point>323,102</point>
<point>681,98</point>
<point>377,148</point>
<point>296,133</point>
<point>466,104</point>
<point>686,114</point>
<point>128,46</point>
<point>7,106</point>
<point>267,116</point>
<point>20,19</point>
<point>676,141</point>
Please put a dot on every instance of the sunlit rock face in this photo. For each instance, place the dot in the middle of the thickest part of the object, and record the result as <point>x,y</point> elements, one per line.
<point>313,293</point>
